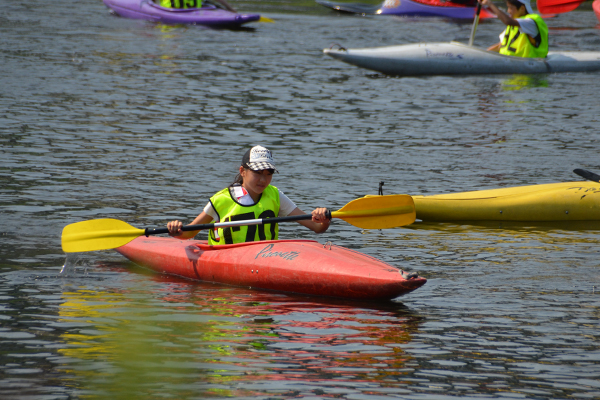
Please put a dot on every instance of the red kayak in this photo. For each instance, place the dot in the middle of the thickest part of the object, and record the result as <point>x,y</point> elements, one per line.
<point>298,266</point>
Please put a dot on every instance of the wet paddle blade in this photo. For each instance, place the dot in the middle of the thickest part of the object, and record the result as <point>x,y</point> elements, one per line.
<point>557,6</point>
<point>590,176</point>
<point>97,234</point>
<point>378,212</point>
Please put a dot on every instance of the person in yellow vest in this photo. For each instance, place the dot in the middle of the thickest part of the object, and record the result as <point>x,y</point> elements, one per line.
<point>526,33</point>
<point>251,196</point>
<point>192,4</point>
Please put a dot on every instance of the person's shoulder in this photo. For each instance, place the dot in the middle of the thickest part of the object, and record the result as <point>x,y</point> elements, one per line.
<point>222,192</point>
<point>281,193</point>
<point>286,205</point>
<point>532,18</point>
<point>528,25</point>
<point>282,196</point>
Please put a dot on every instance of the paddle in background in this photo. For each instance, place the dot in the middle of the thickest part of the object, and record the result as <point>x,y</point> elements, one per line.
<point>547,7</point>
<point>557,6</point>
<point>590,176</point>
<point>475,23</point>
<point>370,212</point>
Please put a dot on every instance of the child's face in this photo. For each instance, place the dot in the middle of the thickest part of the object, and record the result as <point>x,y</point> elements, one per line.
<point>515,12</point>
<point>256,182</point>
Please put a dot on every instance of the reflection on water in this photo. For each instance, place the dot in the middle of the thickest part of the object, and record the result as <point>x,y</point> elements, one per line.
<point>518,82</point>
<point>224,342</point>
<point>116,332</point>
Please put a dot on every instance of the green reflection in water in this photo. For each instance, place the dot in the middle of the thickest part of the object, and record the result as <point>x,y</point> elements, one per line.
<point>518,82</point>
<point>185,342</point>
<point>137,346</point>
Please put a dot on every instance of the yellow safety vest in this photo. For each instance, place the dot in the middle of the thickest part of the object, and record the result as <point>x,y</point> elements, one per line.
<point>518,44</point>
<point>229,209</point>
<point>181,3</point>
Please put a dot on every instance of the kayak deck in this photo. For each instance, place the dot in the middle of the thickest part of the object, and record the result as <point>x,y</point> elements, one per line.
<point>455,58</point>
<point>565,201</point>
<point>298,266</point>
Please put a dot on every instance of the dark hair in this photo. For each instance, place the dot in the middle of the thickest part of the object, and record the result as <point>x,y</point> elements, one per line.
<point>516,3</point>
<point>238,180</point>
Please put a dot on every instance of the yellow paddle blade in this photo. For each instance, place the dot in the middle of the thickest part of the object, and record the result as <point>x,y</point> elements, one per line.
<point>378,212</point>
<point>265,19</point>
<point>97,234</point>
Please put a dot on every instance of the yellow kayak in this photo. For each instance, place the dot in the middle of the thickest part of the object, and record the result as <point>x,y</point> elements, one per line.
<point>566,201</point>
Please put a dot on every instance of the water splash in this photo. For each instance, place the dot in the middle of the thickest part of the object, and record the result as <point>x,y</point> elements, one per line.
<point>72,262</point>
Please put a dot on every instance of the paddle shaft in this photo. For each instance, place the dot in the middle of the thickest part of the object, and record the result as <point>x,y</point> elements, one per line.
<point>259,221</point>
<point>475,23</point>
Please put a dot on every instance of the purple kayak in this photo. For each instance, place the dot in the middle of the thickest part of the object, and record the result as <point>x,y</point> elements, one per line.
<point>458,9</point>
<point>208,15</point>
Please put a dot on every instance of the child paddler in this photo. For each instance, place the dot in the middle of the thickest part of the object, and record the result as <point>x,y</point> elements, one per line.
<point>191,4</point>
<point>526,33</point>
<point>250,196</point>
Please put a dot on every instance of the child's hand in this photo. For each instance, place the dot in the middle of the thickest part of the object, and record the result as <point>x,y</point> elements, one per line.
<point>174,228</point>
<point>319,215</point>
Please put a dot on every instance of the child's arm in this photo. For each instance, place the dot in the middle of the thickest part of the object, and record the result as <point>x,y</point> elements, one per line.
<point>502,16</point>
<point>495,47</point>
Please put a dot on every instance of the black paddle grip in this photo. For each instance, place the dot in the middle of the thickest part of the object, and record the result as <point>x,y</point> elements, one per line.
<point>153,231</point>
<point>158,231</point>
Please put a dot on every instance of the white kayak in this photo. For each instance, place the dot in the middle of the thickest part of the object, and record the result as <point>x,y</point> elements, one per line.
<point>455,58</point>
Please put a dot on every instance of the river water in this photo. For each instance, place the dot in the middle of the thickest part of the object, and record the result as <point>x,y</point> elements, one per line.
<point>106,117</point>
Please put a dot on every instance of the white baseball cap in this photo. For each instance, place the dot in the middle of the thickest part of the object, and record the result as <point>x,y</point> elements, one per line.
<point>527,5</point>
<point>258,158</point>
